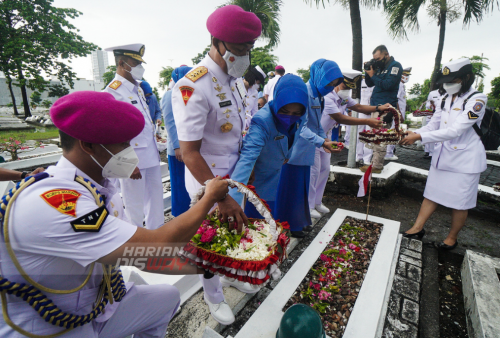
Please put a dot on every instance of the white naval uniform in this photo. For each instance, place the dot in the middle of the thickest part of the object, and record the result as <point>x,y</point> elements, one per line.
<point>402,110</point>
<point>252,106</point>
<point>459,156</point>
<point>143,197</point>
<point>215,102</point>
<point>269,87</point>
<point>362,152</point>
<point>434,96</point>
<point>56,256</point>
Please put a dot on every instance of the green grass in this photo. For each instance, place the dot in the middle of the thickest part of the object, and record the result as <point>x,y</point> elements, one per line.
<point>31,135</point>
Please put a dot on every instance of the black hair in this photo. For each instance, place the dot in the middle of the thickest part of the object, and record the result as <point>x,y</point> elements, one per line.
<point>467,82</point>
<point>67,142</point>
<point>280,71</point>
<point>381,48</point>
<point>250,76</point>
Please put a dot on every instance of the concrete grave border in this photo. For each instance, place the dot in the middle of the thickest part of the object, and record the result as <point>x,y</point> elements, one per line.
<point>368,314</point>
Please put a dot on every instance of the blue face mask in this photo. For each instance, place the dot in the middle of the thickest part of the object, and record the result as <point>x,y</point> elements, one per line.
<point>287,120</point>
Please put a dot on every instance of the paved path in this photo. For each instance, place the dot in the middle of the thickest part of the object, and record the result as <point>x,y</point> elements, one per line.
<point>415,158</point>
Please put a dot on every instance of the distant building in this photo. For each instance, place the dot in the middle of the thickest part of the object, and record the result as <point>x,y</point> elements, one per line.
<point>99,64</point>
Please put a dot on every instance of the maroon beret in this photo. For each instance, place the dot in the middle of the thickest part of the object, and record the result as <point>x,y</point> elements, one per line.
<point>232,24</point>
<point>96,117</point>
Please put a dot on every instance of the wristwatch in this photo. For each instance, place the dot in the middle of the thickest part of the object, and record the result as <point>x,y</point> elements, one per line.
<point>23,175</point>
<point>376,109</point>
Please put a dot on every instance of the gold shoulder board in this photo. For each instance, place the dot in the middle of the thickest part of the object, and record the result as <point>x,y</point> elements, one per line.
<point>115,84</point>
<point>197,73</point>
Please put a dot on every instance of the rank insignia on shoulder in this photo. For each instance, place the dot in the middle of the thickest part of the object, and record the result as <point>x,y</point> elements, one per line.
<point>473,116</point>
<point>115,84</point>
<point>197,73</point>
<point>478,106</point>
<point>186,93</point>
<point>62,200</point>
<point>91,222</point>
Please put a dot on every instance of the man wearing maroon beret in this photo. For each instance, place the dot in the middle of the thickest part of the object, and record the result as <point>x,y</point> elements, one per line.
<point>66,231</point>
<point>209,111</point>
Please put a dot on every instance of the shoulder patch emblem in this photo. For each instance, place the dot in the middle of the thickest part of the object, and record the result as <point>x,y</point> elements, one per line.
<point>186,93</point>
<point>115,84</point>
<point>62,200</point>
<point>394,71</point>
<point>91,222</point>
<point>473,116</point>
<point>197,73</point>
<point>478,106</point>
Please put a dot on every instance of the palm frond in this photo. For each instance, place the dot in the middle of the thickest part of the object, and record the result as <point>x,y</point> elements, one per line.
<point>318,2</point>
<point>473,10</point>
<point>402,16</point>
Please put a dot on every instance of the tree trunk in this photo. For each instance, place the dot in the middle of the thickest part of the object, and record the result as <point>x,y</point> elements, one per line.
<point>24,93</point>
<point>357,42</point>
<point>9,82</point>
<point>439,54</point>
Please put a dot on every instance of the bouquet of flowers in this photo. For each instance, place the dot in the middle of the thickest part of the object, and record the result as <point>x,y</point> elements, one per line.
<point>384,136</point>
<point>421,113</point>
<point>339,145</point>
<point>249,256</point>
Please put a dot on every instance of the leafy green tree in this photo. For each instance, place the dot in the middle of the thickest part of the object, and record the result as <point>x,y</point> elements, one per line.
<point>58,90</point>
<point>263,57</point>
<point>35,38</point>
<point>356,28</point>
<point>35,99</point>
<point>305,74</point>
<point>268,11</point>
<point>494,95</point>
<point>403,16</point>
<point>108,76</point>
<point>197,59</point>
<point>165,76</point>
<point>46,103</point>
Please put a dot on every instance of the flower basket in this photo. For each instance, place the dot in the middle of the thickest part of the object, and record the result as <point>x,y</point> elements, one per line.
<point>213,248</point>
<point>384,136</point>
<point>423,113</point>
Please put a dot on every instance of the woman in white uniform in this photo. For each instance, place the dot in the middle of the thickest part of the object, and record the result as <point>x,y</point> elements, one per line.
<point>459,155</point>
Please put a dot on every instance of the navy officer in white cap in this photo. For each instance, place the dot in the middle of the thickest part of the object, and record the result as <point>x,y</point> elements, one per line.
<point>143,193</point>
<point>459,155</point>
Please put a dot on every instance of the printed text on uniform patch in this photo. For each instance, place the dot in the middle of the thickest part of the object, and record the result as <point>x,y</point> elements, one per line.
<point>92,221</point>
<point>62,200</point>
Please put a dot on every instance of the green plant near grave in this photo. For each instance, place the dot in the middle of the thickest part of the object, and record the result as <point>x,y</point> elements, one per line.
<point>51,132</point>
<point>14,145</point>
<point>36,98</point>
<point>46,103</point>
<point>10,105</point>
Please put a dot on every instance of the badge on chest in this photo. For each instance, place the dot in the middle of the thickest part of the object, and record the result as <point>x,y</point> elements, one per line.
<point>226,127</point>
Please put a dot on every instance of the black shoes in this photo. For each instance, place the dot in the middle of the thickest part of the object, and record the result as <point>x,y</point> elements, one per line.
<point>308,228</point>
<point>426,155</point>
<point>417,235</point>
<point>298,234</point>
<point>446,247</point>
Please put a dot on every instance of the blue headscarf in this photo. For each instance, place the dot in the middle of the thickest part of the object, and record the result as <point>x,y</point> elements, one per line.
<point>180,72</point>
<point>146,88</point>
<point>322,73</point>
<point>289,89</point>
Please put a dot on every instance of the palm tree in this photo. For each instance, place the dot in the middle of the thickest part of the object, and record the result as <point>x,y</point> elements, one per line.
<point>356,28</point>
<point>268,11</point>
<point>403,16</point>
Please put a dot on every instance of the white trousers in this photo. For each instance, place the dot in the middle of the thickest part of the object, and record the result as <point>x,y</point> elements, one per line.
<point>347,136</point>
<point>390,148</point>
<point>319,177</point>
<point>362,152</point>
<point>429,148</point>
<point>144,198</point>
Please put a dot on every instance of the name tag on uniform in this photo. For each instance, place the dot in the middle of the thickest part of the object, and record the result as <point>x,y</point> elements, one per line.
<point>225,103</point>
<point>133,102</point>
<point>316,107</point>
<point>280,137</point>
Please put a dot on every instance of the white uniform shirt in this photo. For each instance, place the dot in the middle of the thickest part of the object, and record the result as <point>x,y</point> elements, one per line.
<point>210,109</point>
<point>56,256</point>
<point>366,93</point>
<point>334,104</point>
<point>435,97</point>
<point>270,87</point>
<point>458,147</point>
<point>402,98</point>
<point>252,106</point>
<point>144,144</point>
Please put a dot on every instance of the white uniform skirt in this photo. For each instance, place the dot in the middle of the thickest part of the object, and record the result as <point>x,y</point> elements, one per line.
<point>453,190</point>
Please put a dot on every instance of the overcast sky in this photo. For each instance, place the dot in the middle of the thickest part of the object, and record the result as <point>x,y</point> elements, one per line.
<point>175,31</point>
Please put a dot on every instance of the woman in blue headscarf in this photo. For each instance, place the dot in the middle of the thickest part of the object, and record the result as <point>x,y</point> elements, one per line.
<point>274,131</point>
<point>292,203</point>
<point>180,197</point>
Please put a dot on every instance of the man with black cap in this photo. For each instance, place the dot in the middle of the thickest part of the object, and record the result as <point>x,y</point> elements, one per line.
<point>143,193</point>
<point>209,111</point>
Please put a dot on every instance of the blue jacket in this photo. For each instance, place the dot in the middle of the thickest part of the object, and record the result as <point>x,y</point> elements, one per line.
<point>168,118</point>
<point>311,136</point>
<point>266,149</point>
<point>386,82</point>
<point>154,108</point>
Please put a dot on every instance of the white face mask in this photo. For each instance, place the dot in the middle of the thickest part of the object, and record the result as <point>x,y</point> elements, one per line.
<point>236,65</point>
<point>120,165</point>
<point>405,79</point>
<point>344,94</point>
<point>452,88</point>
<point>137,72</point>
<point>256,86</point>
